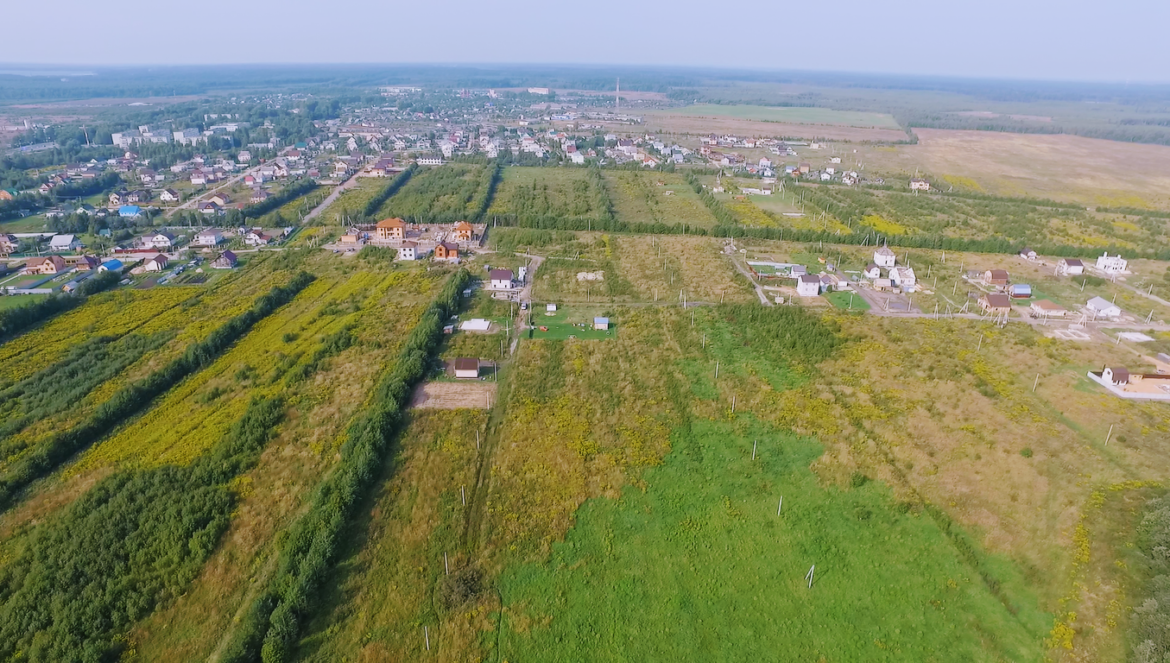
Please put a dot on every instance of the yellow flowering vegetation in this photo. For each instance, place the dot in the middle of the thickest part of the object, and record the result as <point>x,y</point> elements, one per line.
<point>191,417</point>
<point>110,314</point>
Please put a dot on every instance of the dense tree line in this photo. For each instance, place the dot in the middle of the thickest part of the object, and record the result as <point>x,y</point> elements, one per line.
<point>392,188</point>
<point>291,191</point>
<point>489,180</point>
<point>135,539</point>
<point>272,625</point>
<point>131,399</point>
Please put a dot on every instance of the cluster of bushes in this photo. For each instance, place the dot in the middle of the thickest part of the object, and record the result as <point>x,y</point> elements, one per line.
<point>135,539</point>
<point>507,240</point>
<point>392,188</point>
<point>784,334</point>
<point>129,400</point>
<point>289,193</point>
<point>274,622</point>
<point>20,318</point>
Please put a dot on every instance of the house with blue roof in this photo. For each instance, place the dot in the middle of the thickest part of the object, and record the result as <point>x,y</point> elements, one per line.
<point>129,211</point>
<point>110,266</point>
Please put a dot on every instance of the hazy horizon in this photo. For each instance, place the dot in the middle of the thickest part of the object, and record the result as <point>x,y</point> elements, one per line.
<point>997,39</point>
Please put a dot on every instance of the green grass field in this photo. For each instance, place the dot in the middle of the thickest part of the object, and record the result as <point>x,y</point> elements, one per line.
<point>657,198</point>
<point>562,192</point>
<point>796,115</point>
<point>707,570</point>
<point>847,300</point>
<point>570,322</point>
<point>14,301</point>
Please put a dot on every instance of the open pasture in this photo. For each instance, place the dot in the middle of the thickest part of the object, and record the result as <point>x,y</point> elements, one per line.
<point>1088,171</point>
<point>792,115</point>
<point>664,198</point>
<point>670,121</point>
<point>538,192</point>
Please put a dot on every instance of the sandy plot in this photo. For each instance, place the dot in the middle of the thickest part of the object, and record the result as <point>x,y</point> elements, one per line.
<point>454,395</point>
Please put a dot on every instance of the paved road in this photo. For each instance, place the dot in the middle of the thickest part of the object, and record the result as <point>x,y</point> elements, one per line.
<point>340,189</point>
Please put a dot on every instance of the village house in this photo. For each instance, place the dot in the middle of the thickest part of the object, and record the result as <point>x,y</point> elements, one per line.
<point>446,251</point>
<point>64,243</point>
<point>996,303</point>
<point>118,198</point>
<point>87,263</point>
<point>1043,308</point>
<point>391,229</point>
<point>918,184</point>
<point>996,277</point>
<point>45,265</point>
<point>463,231</point>
<point>1115,376</point>
<point>408,251</point>
<point>198,178</point>
<point>1070,266</point>
<point>884,257</point>
<point>225,260</point>
<point>208,208</point>
<point>209,237</point>
<point>808,285</point>
<point>110,266</point>
<point>903,277</point>
<point>156,264</point>
<point>129,211</point>
<point>8,244</point>
<point>1103,308</point>
<point>872,271</point>
<point>466,368</point>
<point>256,237</point>
<point>259,195</point>
<point>1112,264</point>
<point>1027,254</point>
<point>221,199</point>
<point>159,241</point>
<point>169,196</point>
<point>500,279</point>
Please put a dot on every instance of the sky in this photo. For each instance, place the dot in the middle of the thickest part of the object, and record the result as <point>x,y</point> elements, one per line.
<point>1118,41</point>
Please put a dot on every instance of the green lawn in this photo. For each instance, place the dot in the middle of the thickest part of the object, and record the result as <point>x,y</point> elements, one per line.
<point>13,301</point>
<point>796,115</point>
<point>569,322</point>
<point>847,300</point>
<point>699,566</point>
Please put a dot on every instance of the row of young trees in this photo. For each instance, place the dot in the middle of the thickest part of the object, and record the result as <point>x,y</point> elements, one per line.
<point>392,188</point>
<point>275,620</point>
<point>131,399</point>
<point>291,191</point>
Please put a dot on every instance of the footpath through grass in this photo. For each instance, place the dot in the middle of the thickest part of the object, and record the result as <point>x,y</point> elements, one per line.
<point>699,566</point>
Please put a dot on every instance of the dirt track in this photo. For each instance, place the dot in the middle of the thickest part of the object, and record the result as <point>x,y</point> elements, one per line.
<point>454,395</point>
<point>697,125</point>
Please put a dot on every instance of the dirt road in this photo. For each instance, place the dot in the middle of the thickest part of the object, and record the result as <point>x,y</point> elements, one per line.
<point>340,189</point>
